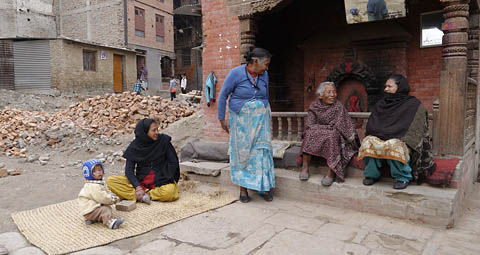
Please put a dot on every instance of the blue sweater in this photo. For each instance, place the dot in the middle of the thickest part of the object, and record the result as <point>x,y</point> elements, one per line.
<point>239,90</point>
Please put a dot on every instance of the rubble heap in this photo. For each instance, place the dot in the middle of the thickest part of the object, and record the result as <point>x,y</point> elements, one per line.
<point>109,115</point>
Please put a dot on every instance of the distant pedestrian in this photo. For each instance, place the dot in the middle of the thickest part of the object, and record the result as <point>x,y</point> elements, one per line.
<point>183,84</point>
<point>144,77</point>
<point>94,199</point>
<point>173,88</point>
<point>137,88</point>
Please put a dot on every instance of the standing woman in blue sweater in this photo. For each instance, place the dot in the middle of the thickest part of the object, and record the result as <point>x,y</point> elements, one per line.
<point>251,161</point>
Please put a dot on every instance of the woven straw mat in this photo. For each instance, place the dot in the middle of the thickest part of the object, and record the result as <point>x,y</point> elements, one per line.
<point>60,228</point>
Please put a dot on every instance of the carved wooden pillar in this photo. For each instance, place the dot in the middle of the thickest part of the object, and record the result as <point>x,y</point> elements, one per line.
<point>473,44</point>
<point>248,29</point>
<point>473,66</point>
<point>471,116</point>
<point>450,135</point>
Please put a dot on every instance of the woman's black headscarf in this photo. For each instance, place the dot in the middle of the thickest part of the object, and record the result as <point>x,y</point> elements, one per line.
<point>392,116</point>
<point>144,148</point>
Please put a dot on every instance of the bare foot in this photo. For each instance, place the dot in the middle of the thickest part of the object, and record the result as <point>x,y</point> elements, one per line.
<point>304,169</point>
<point>331,174</point>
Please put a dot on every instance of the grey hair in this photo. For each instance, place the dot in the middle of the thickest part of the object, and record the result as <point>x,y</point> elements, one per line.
<point>322,86</point>
<point>260,60</point>
<point>257,53</point>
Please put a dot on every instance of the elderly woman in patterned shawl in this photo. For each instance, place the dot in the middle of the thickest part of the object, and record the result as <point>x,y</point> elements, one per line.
<point>329,133</point>
<point>397,135</point>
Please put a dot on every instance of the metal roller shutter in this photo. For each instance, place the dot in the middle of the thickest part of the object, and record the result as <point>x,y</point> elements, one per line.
<point>32,65</point>
<point>6,65</point>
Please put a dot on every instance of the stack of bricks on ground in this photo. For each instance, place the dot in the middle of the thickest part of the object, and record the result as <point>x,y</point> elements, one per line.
<point>108,115</point>
<point>5,173</point>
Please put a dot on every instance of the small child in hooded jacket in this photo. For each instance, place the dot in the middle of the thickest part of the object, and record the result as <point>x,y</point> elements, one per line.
<point>94,199</point>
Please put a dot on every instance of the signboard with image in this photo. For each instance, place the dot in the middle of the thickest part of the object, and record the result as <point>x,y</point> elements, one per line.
<point>103,55</point>
<point>358,11</point>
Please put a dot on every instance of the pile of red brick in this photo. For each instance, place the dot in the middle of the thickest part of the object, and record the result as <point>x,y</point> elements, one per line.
<point>118,114</point>
<point>109,115</point>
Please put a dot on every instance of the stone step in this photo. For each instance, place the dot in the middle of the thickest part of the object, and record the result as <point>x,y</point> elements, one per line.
<point>421,203</point>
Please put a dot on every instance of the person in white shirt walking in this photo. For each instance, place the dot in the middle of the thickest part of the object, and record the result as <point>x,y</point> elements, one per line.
<point>183,84</point>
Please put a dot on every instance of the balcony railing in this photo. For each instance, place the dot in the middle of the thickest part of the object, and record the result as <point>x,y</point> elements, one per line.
<point>289,126</point>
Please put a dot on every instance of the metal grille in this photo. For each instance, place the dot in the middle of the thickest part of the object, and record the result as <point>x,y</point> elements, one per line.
<point>32,65</point>
<point>6,65</point>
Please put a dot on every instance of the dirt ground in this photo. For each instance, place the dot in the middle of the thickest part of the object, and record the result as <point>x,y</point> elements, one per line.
<point>61,179</point>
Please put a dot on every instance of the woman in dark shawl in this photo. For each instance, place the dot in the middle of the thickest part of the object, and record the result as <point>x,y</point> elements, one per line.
<point>329,133</point>
<point>397,126</point>
<point>152,170</point>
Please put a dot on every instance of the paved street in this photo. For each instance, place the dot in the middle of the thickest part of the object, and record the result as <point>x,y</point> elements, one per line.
<point>288,227</point>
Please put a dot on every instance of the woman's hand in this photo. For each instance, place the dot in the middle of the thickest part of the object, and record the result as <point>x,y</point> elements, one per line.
<point>224,125</point>
<point>139,192</point>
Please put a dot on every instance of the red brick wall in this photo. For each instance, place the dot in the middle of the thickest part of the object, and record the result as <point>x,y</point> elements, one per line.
<point>421,66</point>
<point>424,66</point>
<point>221,35</point>
<point>319,63</point>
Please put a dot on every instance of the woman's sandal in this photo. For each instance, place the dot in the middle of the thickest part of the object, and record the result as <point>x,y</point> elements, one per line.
<point>327,181</point>
<point>267,196</point>
<point>304,176</point>
<point>244,199</point>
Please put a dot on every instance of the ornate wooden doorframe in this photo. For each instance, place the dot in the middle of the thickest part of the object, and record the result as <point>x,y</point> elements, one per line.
<point>243,8</point>
<point>248,29</point>
<point>247,11</point>
<point>473,69</point>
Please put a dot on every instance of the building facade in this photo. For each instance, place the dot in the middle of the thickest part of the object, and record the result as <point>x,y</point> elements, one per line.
<point>27,19</point>
<point>81,66</point>
<point>150,33</point>
<point>144,26</point>
<point>65,64</point>
<point>94,21</point>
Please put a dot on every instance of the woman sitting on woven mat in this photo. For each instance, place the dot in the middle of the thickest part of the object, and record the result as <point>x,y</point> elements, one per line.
<point>329,133</point>
<point>397,135</point>
<point>152,170</point>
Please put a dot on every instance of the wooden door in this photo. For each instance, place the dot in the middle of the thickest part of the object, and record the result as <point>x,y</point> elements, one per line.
<point>117,73</point>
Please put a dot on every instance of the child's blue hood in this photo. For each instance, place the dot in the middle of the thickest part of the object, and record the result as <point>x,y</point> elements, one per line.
<point>88,166</point>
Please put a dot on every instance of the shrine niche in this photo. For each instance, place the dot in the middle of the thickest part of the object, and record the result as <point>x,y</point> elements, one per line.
<point>357,86</point>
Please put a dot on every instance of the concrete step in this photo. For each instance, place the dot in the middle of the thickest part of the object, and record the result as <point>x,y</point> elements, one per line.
<point>422,203</point>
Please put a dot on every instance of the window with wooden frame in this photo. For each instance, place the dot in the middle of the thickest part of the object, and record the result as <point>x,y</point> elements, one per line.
<point>89,60</point>
<point>139,22</point>
<point>160,27</point>
<point>431,29</point>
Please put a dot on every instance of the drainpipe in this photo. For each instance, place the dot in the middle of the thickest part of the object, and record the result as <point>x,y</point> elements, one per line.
<point>60,20</point>
<point>125,20</point>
